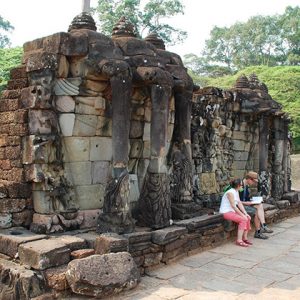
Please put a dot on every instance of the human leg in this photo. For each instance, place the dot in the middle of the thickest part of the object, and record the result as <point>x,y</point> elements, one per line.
<point>243,226</point>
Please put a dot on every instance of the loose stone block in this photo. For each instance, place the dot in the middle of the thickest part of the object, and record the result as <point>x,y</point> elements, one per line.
<point>293,197</point>
<point>56,278</point>
<point>11,239</point>
<point>72,242</point>
<point>166,235</point>
<point>19,282</point>
<point>110,242</point>
<point>89,237</point>
<point>103,275</point>
<point>41,255</point>
<point>82,253</point>
<point>152,259</point>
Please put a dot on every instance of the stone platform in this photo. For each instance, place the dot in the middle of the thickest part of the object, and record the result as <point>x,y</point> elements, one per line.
<point>35,265</point>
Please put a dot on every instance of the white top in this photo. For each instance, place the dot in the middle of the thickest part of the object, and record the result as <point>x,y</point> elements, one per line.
<point>225,204</point>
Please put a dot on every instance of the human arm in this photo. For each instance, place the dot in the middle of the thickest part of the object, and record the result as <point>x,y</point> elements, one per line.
<point>239,209</point>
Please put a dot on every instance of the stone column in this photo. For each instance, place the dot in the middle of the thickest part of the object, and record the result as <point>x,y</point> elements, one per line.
<point>264,185</point>
<point>277,172</point>
<point>154,202</point>
<point>116,216</point>
<point>286,157</point>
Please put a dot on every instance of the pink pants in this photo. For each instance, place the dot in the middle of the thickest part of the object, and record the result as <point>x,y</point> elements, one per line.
<point>233,216</point>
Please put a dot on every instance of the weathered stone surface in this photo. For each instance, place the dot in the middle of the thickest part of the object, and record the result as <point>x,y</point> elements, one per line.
<point>56,278</point>
<point>22,218</point>
<point>293,197</point>
<point>103,275</point>
<point>90,196</point>
<point>138,237</point>
<point>208,183</point>
<point>166,235</point>
<point>11,205</point>
<point>85,125</point>
<point>18,282</point>
<point>283,204</point>
<point>82,253</point>
<point>5,220</point>
<point>104,126</point>
<point>100,172</point>
<point>66,124</point>
<point>79,173</point>
<point>110,242</point>
<point>44,254</point>
<point>65,104</point>
<point>72,242</point>
<point>76,149</point>
<point>11,239</point>
<point>90,218</point>
<point>89,237</point>
<point>101,149</point>
<point>42,122</point>
<point>198,222</point>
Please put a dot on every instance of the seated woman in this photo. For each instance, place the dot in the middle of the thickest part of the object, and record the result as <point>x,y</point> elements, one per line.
<point>233,209</point>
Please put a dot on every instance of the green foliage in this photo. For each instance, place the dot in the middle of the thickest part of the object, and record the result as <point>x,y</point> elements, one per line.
<point>146,19</point>
<point>9,58</point>
<point>262,40</point>
<point>283,83</point>
<point>5,26</point>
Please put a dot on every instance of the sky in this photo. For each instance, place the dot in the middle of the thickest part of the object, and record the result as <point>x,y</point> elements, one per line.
<point>33,19</point>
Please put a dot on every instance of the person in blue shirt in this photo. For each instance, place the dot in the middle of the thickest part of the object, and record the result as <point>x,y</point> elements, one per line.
<point>254,209</point>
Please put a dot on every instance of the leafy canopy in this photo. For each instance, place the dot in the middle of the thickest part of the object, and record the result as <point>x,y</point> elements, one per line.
<point>5,26</point>
<point>262,40</point>
<point>146,19</point>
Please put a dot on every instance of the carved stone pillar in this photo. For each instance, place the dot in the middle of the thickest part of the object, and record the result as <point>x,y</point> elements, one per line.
<point>277,176</point>
<point>264,184</point>
<point>286,157</point>
<point>116,216</point>
<point>154,202</point>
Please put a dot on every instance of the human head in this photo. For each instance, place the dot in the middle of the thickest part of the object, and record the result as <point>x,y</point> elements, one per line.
<point>251,177</point>
<point>236,183</point>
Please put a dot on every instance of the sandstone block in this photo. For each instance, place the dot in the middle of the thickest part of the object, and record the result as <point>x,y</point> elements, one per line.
<point>56,278</point>
<point>19,283</point>
<point>42,122</point>
<point>103,275</point>
<point>23,218</point>
<point>100,172</point>
<point>104,126</point>
<point>166,235</point>
<point>79,173</point>
<point>44,254</point>
<point>72,242</point>
<point>11,239</point>
<point>65,104</point>
<point>82,253</point>
<point>76,149</point>
<point>107,243</point>
<point>101,149</point>
<point>90,196</point>
<point>89,237</point>
<point>90,218</point>
<point>66,123</point>
<point>85,125</point>
<point>152,259</point>
<point>41,60</point>
<point>36,96</point>
<point>146,135</point>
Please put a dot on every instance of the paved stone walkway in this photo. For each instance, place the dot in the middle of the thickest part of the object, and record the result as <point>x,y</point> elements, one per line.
<point>270,269</point>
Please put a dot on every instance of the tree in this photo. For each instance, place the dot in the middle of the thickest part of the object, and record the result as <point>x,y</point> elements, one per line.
<point>4,26</point>
<point>149,18</point>
<point>9,58</point>
<point>262,40</point>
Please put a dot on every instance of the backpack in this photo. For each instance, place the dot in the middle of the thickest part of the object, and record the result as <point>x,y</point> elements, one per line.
<point>226,188</point>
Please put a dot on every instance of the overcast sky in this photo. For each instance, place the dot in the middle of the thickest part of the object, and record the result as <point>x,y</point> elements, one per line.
<point>37,18</point>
